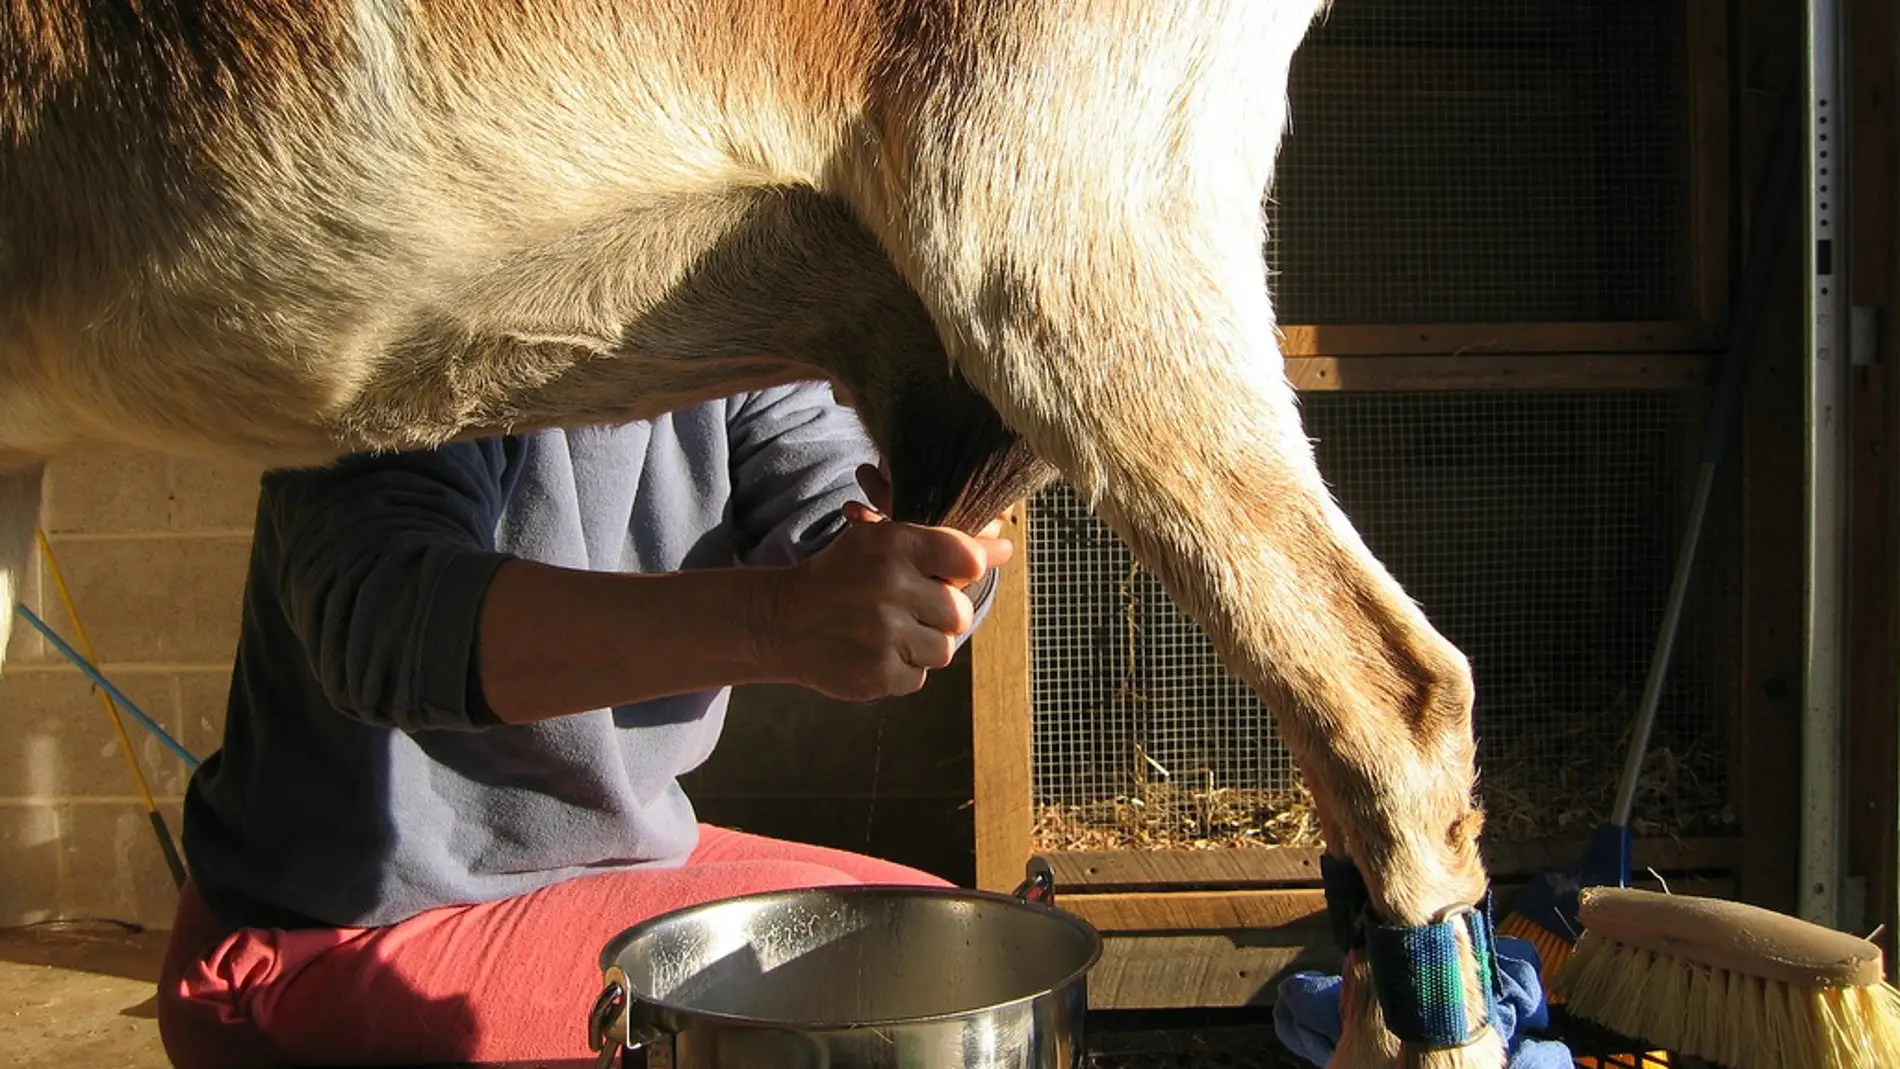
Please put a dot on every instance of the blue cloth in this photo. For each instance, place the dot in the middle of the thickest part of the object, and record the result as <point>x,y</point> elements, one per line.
<point>1307,1015</point>
<point>361,779</point>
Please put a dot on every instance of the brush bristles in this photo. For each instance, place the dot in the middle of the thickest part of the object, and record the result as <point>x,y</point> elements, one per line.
<point>1728,1018</point>
<point>1552,949</point>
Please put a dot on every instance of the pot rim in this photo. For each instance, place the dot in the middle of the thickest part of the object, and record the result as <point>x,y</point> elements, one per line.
<point>611,950</point>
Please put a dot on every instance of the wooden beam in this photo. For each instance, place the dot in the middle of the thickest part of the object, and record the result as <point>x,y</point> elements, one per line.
<point>1711,217</point>
<point>1195,910</point>
<point>1870,818</point>
<point>1519,371</point>
<point>1766,769</point>
<point>1495,339</point>
<point>1292,866</point>
<point>1666,855</point>
<point>1195,971</point>
<point>1234,911</point>
<point>1873,240</point>
<point>1000,712</point>
<point>1873,158</point>
<point>1241,866</point>
<point>1209,968</point>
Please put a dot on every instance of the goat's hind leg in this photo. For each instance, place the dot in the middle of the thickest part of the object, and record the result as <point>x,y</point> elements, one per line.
<point>1188,443</point>
<point>1097,275</point>
<point>1146,371</point>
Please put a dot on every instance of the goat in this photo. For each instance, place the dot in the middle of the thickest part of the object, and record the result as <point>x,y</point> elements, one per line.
<point>1025,236</point>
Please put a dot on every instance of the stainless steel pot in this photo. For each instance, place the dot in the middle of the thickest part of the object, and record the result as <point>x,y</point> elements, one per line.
<point>852,978</point>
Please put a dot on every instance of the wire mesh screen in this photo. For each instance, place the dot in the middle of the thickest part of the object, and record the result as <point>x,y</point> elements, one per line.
<point>1485,161</point>
<point>1537,530</point>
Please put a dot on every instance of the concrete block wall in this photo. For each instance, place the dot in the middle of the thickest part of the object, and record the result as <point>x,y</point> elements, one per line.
<point>154,552</point>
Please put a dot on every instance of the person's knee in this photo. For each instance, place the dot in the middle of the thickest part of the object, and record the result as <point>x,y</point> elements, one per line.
<point>203,1026</point>
<point>727,846</point>
<point>785,875</point>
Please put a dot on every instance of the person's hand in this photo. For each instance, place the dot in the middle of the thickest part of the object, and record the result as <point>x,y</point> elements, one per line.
<point>874,612</point>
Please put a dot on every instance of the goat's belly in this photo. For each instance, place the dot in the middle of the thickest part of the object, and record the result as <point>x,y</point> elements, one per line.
<point>186,402</point>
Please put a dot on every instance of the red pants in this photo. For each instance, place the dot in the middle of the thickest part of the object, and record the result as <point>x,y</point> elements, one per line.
<point>507,980</point>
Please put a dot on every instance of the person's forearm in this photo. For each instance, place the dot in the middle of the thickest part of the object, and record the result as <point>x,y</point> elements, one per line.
<point>555,641</point>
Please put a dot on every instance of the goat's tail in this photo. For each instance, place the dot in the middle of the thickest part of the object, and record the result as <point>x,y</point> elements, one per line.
<point>20,494</point>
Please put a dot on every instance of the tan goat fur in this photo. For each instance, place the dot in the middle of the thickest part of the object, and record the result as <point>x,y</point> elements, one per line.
<point>1024,235</point>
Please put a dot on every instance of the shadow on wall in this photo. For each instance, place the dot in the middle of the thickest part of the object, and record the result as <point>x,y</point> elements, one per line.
<point>892,779</point>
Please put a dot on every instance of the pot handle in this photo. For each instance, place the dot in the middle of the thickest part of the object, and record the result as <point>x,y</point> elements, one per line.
<point>611,1009</point>
<point>1039,884</point>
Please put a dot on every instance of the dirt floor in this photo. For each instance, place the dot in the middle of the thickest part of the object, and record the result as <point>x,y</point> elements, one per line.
<point>78,993</point>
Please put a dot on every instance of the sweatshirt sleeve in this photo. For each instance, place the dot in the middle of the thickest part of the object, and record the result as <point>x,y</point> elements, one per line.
<point>382,566</point>
<point>795,457</point>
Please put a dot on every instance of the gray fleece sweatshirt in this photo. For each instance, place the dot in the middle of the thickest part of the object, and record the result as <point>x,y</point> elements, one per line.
<point>361,780</point>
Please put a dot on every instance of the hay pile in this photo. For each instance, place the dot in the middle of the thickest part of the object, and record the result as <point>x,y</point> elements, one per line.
<point>1527,794</point>
<point>1552,777</point>
<point>1173,816</point>
<point>1679,795</point>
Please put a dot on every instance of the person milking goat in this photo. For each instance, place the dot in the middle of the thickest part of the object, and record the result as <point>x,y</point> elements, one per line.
<point>467,683</point>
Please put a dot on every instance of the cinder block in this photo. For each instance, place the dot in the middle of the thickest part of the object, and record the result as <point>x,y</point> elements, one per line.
<point>173,599</point>
<point>146,493</point>
<point>56,740</point>
<point>121,493</point>
<point>212,496</point>
<point>29,856</point>
<point>113,866</point>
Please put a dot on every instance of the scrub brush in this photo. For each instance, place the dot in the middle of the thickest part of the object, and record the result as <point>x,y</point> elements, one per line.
<point>1736,984</point>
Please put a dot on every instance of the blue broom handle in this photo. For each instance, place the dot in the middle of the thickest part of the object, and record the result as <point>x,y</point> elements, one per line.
<point>93,673</point>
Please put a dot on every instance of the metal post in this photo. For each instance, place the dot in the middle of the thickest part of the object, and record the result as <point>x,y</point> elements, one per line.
<point>1824,683</point>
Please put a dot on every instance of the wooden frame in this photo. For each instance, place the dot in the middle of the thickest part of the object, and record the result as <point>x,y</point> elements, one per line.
<point>1702,324</point>
<point>1001,722</point>
<point>1873,256</point>
<point>1770,36</point>
<point>1517,371</point>
<point>1197,928</point>
<point>1001,692</point>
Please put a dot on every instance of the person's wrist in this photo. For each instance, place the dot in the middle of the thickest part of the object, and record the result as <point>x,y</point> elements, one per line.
<point>767,602</point>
